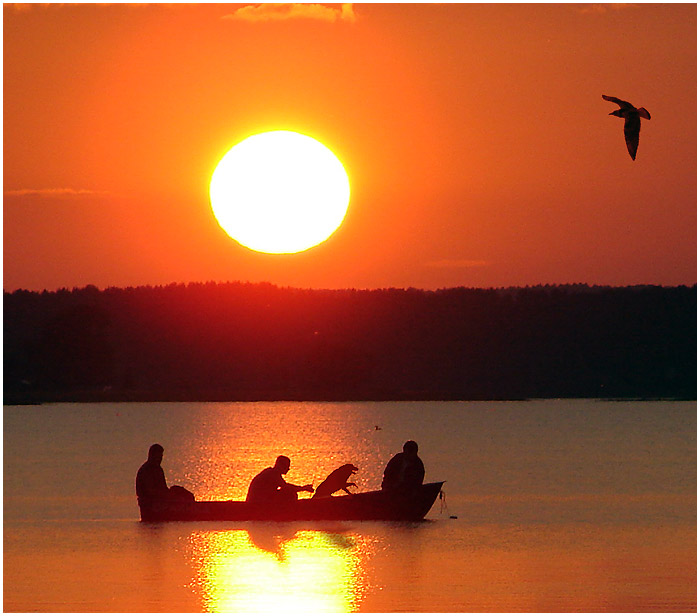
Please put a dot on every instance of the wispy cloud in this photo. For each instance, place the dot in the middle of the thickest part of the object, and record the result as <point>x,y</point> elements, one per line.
<point>19,8</point>
<point>456,263</point>
<point>600,9</point>
<point>279,12</point>
<point>52,192</point>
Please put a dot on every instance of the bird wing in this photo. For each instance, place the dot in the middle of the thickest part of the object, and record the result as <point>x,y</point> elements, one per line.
<point>632,126</point>
<point>644,113</point>
<point>623,104</point>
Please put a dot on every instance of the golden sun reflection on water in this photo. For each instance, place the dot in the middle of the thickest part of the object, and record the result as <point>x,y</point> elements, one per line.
<point>273,568</point>
<point>232,443</point>
<point>279,567</point>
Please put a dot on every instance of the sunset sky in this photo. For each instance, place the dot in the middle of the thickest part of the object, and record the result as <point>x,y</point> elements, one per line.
<point>479,149</point>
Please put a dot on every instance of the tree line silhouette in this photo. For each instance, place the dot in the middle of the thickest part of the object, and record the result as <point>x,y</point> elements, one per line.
<point>244,341</point>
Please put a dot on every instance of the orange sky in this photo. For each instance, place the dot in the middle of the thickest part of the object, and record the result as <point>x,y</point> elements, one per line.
<point>479,149</point>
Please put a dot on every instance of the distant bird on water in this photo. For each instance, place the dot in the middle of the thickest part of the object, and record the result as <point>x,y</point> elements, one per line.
<point>632,122</point>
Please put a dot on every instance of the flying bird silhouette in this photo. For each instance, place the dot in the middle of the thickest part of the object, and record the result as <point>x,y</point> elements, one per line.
<point>632,122</point>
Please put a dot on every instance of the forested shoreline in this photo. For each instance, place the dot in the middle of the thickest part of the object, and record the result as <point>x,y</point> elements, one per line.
<point>256,341</point>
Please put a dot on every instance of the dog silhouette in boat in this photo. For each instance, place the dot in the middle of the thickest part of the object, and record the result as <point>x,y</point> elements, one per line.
<point>336,481</point>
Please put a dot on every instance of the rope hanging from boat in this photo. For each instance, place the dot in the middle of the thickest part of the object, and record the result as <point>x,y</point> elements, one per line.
<point>443,505</point>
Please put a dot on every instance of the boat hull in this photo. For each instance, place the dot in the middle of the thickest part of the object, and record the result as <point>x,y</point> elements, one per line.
<point>376,505</point>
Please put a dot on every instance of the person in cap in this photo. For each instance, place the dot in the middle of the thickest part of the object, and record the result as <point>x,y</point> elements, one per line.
<point>270,487</point>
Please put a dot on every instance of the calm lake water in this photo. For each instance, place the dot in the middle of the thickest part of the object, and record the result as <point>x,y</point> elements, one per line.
<point>561,505</point>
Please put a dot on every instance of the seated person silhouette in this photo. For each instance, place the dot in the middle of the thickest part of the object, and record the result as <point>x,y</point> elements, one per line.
<point>151,488</point>
<point>269,487</point>
<point>405,472</point>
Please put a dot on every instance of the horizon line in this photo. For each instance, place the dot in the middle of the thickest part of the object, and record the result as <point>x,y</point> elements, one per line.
<point>542,285</point>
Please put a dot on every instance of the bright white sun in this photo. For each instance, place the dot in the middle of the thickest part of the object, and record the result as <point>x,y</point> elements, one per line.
<point>279,192</point>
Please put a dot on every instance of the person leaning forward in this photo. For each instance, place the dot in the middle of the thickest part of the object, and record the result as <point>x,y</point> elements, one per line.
<point>269,487</point>
<point>405,471</point>
<point>150,481</point>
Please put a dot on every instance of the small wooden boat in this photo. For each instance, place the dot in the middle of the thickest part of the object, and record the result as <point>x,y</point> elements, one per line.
<point>377,505</point>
